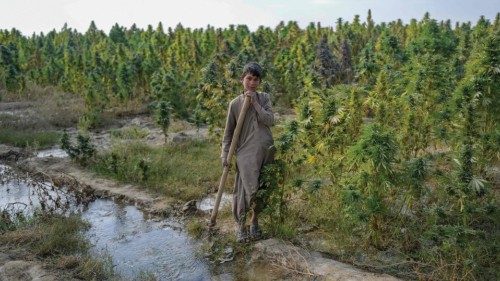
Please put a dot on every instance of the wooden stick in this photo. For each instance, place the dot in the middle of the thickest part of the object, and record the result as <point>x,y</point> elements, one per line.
<point>232,148</point>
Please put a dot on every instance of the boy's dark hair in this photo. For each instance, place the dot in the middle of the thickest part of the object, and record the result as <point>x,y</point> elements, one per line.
<point>252,68</point>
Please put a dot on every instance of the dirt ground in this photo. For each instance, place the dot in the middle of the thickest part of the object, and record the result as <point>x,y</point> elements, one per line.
<point>16,265</point>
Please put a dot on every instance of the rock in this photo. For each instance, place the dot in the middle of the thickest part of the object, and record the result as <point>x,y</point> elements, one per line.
<point>228,251</point>
<point>136,121</point>
<point>189,207</point>
<point>180,137</point>
<point>11,155</point>
<point>228,255</point>
<point>4,258</point>
<point>311,263</point>
<point>24,270</point>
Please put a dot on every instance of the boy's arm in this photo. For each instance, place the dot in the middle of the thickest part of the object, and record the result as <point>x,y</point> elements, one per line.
<point>228,132</point>
<point>265,113</point>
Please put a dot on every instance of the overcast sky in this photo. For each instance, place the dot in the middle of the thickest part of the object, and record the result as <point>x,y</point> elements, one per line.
<point>30,16</point>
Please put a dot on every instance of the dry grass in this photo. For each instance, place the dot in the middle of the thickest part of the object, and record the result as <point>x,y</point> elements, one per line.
<point>60,109</point>
<point>32,92</point>
<point>96,269</point>
<point>180,125</point>
<point>49,235</point>
<point>23,120</point>
<point>33,118</point>
<point>68,262</point>
<point>133,132</point>
<point>184,171</point>
<point>195,228</point>
<point>33,139</point>
<point>59,241</point>
<point>132,107</point>
<point>22,236</point>
<point>47,106</point>
<point>292,260</point>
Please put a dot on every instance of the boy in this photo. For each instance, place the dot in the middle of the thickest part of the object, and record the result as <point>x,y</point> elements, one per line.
<point>253,150</point>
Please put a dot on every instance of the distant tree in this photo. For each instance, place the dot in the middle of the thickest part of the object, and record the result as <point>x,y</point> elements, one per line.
<point>10,73</point>
<point>367,66</point>
<point>346,67</point>
<point>163,117</point>
<point>117,34</point>
<point>168,85</point>
<point>326,66</point>
<point>124,81</point>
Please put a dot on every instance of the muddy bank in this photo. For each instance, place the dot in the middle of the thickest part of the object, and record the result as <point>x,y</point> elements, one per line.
<point>134,242</point>
<point>16,264</point>
<point>18,269</point>
<point>63,171</point>
<point>311,264</point>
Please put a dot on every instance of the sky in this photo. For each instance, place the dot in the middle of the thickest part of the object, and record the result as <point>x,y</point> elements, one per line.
<point>30,16</point>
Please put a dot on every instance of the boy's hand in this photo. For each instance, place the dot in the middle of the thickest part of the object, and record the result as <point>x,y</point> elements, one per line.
<point>224,162</point>
<point>251,95</point>
<point>253,100</point>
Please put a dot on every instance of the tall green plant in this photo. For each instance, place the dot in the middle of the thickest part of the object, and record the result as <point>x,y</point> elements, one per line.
<point>163,117</point>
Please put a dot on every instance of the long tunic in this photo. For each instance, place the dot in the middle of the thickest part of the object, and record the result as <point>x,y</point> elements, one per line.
<point>253,149</point>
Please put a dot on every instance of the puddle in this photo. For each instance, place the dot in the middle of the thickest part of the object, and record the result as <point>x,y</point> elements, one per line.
<point>135,243</point>
<point>53,152</point>
<point>24,195</point>
<point>207,203</point>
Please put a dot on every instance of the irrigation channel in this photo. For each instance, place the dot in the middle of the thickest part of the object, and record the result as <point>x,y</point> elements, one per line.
<point>135,242</point>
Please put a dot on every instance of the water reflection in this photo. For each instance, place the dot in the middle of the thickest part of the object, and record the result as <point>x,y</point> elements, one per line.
<point>53,152</point>
<point>138,244</point>
<point>207,203</point>
<point>135,243</point>
<point>22,194</point>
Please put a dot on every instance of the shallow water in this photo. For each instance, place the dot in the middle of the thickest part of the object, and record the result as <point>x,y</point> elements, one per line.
<point>53,152</point>
<point>21,194</point>
<point>207,203</point>
<point>135,243</point>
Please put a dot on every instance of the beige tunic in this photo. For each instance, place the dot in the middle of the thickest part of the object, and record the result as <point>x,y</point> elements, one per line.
<point>253,150</point>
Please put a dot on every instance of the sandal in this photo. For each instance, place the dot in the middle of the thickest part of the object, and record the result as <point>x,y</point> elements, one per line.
<point>255,232</point>
<point>241,236</point>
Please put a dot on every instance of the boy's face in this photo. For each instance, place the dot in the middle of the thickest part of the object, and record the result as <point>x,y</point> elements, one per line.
<point>250,82</point>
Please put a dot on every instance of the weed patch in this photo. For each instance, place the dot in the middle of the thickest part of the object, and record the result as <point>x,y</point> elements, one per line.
<point>28,138</point>
<point>185,171</point>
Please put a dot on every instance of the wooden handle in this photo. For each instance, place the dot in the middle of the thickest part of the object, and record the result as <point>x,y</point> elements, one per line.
<point>232,148</point>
